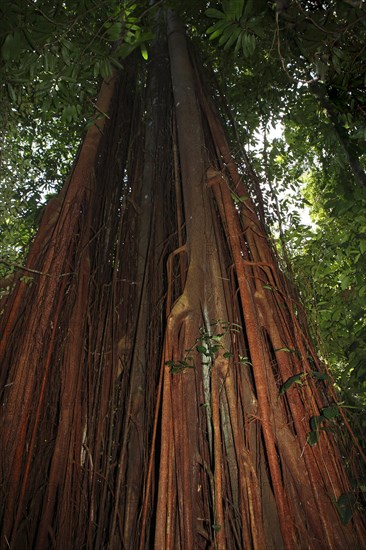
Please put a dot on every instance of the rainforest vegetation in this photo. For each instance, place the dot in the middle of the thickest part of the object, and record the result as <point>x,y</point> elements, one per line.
<point>182,274</point>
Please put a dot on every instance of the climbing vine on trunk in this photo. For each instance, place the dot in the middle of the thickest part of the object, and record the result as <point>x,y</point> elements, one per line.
<point>158,384</point>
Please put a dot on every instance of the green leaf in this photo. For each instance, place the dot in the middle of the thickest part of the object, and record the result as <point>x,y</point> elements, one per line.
<point>12,47</point>
<point>238,44</point>
<point>218,26</point>
<point>363,242</point>
<point>65,54</point>
<point>105,68</point>
<point>216,527</point>
<point>234,36</point>
<point>217,14</point>
<point>201,349</point>
<point>68,44</point>
<point>116,63</point>
<point>248,9</point>
<point>229,8</point>
<point>312,438</point>
<point>322,69</point>
<point>345,507</point>
<point>124,50</point>
<point>319,375</point>
<point>217,29</point>
<point>234,196</point>
<point>11,92</point>
<point>288,350</point>
<point>330,412</point>
<point>227,34</point>
<point>315,422</point>
<point>218,337</point>
<point>68,113</point>
<point>362,291</point>
<point>227,355</point>
<point>256,25</point>
<point>96,71</point>
<point>115,31</point>
<point>297,378</point>
<point>177,367</point>
<point>238,7</point>
<point>144,52</point>
<point>248,44</point>
<point>345,282</point>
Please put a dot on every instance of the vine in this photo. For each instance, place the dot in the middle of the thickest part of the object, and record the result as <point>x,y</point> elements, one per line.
<point>208,345</point>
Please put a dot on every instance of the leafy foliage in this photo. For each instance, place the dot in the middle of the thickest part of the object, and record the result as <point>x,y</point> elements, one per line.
<point>300,378</point>
<point>208,345</point>
<point>345,506</point>
<point>53,53</point>
<point>53,56</point>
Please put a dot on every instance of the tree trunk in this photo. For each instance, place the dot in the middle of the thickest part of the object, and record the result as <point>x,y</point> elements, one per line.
<point>147,398</point>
